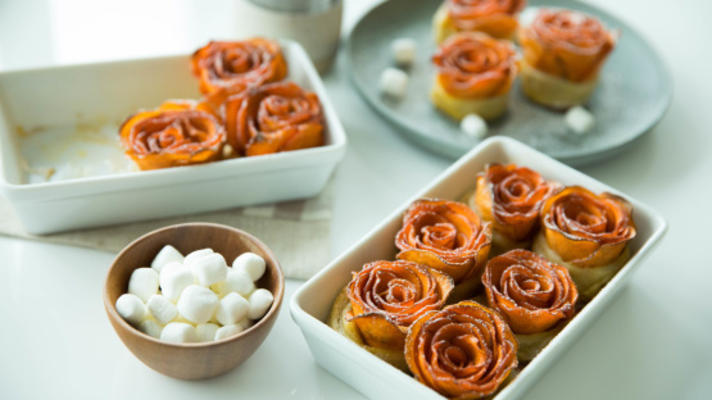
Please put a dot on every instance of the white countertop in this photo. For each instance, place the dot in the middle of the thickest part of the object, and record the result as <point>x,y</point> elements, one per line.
<point>653,341</point>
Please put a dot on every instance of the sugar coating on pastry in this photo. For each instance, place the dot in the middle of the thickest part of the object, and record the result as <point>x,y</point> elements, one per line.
<point>393,82</point>
<point>474,126</point>
<point>403,51</point>
<point>579,120</point>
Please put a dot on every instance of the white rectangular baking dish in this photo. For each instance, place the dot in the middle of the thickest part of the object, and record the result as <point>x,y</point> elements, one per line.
<point>375,378</point>
<point>110,91</point>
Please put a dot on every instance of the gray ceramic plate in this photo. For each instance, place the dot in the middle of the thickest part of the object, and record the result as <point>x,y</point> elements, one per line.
<point>633,92</point>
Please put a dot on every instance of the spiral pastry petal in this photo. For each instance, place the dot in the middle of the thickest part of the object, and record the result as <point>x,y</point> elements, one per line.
<point>275,117</point>
<point>531,293</point>
<point>566,44</point>
<point>445,235</point>
<point>511,197</point>
<point>226,68</point>
<point>176,133</point>
<point>585,229</point>
<point>388,296</point>
<point>465,351</point>
<point>497,18</point>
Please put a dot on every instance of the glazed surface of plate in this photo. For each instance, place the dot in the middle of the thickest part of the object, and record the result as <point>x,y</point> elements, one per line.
<point>633,92</point>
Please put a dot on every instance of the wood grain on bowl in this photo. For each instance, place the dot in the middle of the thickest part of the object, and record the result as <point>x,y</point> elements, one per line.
<point>192,360</point>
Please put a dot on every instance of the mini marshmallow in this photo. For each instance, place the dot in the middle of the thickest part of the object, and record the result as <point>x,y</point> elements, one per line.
<point>403,51</point>
<point>231,309</point>
<point>579,120</point>
<point>131,308</point>
<point>227,331</point>
<point>205,332</point>
<point>208,269</point>
<point>237,281</point>
<point>167,254</point>
<point>197,304</point>
<point>194,255</point>
<point>174,278</point>
<point>178,332</point>
<point>474,126</point>
<point>251,263</point>
<point>260,301</point>
<point>393,82</point>
<point>143,283</point>
<point>161,308</point>
<point>151,328</point>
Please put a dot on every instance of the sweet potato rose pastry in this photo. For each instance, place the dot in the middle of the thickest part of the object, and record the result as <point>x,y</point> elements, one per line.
<point>474,75</point>
<point>383,300</point>
<point>563,52</point>
<point>497,18</point>
<point>510,197</point>
<point>226,68</point>
<point>276,117</point>
<point>586,233</point>
<point>533,295</point>
<point>174,134</point>
<point>447,236</point>
<point>464,351</point>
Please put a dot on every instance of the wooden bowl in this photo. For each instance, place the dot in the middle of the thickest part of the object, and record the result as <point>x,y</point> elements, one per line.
<point>192,360</point>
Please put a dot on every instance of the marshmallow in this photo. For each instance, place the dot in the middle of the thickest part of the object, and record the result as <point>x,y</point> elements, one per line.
<point>194,255</point>
<point>151,328</point>
<point>393,82</point>
<point>579,120</point>
<point>403,51</point>
<point>251,263</point>
<point>208,269</point>
<point>237,281</point>
<point>173,279</point>
<point>227,331</point>
<point>260,301</point>
<point>474,126</point>
<point>231,309</point>
<point>131,308</point>
<point>167,254</point>
<point>197,304</point>
<point>161,308</point>
<point>205,332</point>
<point>143,283</point>
<point>178,332</point>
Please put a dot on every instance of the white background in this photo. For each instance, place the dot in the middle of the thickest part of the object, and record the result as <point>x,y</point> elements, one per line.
<point>653,342</point>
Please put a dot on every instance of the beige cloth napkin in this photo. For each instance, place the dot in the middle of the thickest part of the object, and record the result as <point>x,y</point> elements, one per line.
<point>297,231</point>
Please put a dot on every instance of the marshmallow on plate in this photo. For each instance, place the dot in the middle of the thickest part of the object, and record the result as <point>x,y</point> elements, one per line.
<point>208,269</point>
<point>167,254</point>
<point>131,308</point>
<point>474,126</point>
<point>178,332</point>
<point>260,300</point>
<point>174,278</point>
<point>231,309</point>
<point>251,263</point>
<point>403,51</point>
<point>393,82</point>
<point>197,304</point>
<point>143,283</point>
<point>161,308</point>
<point>579,120</point>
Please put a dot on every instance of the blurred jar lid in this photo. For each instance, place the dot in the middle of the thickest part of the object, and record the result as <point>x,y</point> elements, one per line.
<point>297,6</point>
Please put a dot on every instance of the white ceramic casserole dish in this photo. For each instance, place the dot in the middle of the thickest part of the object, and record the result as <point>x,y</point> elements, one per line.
<point>82,95</point>
<point>375,378</point>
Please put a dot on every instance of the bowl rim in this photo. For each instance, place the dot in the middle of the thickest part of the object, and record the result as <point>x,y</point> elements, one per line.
<point>113,314</point>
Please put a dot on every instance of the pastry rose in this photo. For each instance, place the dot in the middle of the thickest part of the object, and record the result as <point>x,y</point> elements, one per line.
<point>384,298</point>
<point>510,197</point>
<point>474,75</point>
<point>563,52</point>
<point>465,351</point>
<point>176,133</point>
<point>587,233</point>
<point>445,235</point>
<point>225,68</point>
<point>533,294</point>
<point>497,18</point>
<point>271,118</point>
